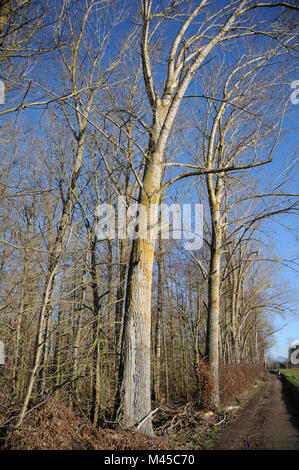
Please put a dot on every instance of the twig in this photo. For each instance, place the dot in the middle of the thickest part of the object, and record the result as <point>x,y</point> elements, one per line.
<point>220,422</point>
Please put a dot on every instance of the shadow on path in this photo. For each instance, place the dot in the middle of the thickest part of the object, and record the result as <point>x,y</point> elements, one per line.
<point>292,406</point>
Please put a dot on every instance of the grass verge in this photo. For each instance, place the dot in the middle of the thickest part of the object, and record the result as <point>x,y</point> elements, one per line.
<point>290,378</point>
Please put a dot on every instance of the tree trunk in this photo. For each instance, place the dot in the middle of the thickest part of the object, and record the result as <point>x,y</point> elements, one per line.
<point>134,393</point>
<point>157,378</point>
<point>213,317</point>
<point>214,286</point>
<point>95,339</point>
<point>54,262</point>
<point>120,295</point>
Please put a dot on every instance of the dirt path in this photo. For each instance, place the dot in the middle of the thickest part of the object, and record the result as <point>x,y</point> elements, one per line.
<point>269,421</point>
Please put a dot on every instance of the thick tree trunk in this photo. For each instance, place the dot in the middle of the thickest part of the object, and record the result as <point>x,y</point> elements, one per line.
<point>134,393</point>
<point>213,317</point>
<point>214,286</point>
<point>135,363</point>
<point>157,369</point>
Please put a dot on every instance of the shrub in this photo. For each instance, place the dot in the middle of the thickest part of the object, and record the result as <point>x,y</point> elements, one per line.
<point>234,379</point>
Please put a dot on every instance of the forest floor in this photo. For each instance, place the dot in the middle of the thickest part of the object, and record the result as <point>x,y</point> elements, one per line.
<point>262,418</point>
<point>270,421</point>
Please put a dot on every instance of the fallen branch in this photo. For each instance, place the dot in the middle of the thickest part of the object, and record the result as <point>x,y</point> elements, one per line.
<point>146,418</point>
<point>220,422</point>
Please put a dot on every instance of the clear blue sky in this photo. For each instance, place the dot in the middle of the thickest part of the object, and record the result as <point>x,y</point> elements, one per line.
<point>287,243</point>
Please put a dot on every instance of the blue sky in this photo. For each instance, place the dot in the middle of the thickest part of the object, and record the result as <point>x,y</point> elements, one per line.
<point>286,242</point>
<point>284,337</point>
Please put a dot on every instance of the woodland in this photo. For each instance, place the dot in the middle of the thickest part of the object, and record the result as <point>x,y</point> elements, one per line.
<point>149,102</point>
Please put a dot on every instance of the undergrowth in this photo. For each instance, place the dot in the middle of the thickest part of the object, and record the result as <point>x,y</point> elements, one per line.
<point>51,425</point>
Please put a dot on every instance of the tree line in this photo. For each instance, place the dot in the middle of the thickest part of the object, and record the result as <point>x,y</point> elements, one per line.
<point>151,102</point>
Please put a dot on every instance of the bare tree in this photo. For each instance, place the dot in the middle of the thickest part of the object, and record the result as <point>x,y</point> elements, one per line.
<point>185,56</point>
<point>78,123</point>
